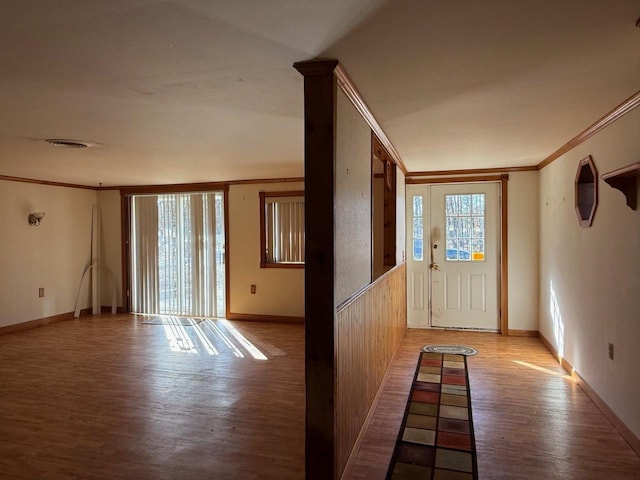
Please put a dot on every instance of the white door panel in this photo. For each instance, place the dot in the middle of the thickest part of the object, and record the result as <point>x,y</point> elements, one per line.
<point>453,255</point>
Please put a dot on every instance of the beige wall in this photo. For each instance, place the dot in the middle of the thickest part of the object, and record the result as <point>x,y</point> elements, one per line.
<point>523,250</point>
<point>590,277</point>
<point>109,201</point>
<point>52,255</point>
<point>352,203</point>
<point>279,291</point>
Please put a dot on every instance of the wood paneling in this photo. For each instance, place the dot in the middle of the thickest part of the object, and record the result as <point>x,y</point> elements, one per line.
<point>369,328</point>
<point>531,420</point>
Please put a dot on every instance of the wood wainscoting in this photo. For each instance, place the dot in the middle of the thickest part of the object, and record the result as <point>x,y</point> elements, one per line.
<point>369,327</point>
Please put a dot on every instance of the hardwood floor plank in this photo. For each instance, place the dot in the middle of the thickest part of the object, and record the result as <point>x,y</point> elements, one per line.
<point>108,397</point>
<point>531,419</point>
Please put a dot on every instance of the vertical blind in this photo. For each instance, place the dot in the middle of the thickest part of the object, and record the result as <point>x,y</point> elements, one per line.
<point>177,254</point>
<point>284,222</point>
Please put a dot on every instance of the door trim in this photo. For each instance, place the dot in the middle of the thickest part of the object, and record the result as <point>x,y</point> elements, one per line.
<point>504,237</point>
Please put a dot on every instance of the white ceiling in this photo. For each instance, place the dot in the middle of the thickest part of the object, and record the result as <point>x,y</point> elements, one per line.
<point>199,90</point>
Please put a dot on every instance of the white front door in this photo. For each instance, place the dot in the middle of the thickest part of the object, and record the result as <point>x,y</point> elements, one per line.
<point>453,264</point>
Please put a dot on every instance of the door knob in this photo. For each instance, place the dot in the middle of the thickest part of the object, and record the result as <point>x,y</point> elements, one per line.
<point>435,266</point>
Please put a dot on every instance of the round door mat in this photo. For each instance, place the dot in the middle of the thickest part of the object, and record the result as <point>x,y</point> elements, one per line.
<point>453,349</point>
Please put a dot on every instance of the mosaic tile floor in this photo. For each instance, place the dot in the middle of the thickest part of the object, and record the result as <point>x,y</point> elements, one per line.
<point>436,436</point>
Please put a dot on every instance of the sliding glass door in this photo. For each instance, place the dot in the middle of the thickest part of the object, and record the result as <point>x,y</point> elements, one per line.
<point>177,254</point>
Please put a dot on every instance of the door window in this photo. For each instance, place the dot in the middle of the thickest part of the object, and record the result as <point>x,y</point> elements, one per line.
<point>418,234</point>
<point>465,227</point>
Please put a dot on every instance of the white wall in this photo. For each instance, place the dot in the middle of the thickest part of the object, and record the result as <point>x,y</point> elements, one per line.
<point>352,203</point>
<point>52,255</point>
<point>279,291</point>
<point>522,221</point>
<point>590,277</point>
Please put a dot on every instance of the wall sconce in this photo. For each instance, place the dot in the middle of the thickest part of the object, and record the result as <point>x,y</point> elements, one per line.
<point>35,218</point>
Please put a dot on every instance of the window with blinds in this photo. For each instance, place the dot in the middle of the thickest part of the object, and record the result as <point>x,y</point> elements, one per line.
<point>177,254</point>
<point>282,229</point>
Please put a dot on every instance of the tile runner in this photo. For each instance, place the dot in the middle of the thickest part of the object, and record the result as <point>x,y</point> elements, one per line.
<point>436,439</point>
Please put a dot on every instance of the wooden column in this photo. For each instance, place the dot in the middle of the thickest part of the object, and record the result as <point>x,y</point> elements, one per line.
<point>320,310</point>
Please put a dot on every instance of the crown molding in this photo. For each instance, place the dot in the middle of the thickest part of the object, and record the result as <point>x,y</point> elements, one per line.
<point>625,107</point>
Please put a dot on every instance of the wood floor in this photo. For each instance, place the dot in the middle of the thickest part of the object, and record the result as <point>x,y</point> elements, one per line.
<point>111,398</point>
<point>531,420</point>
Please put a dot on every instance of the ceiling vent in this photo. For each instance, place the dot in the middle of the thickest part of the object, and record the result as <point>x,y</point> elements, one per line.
<point>61,142</point>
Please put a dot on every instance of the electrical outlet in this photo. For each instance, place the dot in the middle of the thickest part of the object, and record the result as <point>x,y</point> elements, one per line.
<point>253,289</point>
<point>611,351</point>
<point>41,292</point>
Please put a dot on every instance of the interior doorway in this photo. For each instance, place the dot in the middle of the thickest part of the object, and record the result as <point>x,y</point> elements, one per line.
<point>454,262</point>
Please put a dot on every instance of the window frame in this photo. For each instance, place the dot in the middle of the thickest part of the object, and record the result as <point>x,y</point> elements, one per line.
<point>263,230</point>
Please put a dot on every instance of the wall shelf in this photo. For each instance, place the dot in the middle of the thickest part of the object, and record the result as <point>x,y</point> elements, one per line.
<point>626,180</point>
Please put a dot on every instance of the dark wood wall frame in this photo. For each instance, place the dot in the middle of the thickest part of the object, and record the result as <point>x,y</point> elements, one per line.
<point>504,231</point>
<point>125,231</point>
<point>320,93</point>
<point>380,153</point>
<point>586,191</point>
<point>263,240</point>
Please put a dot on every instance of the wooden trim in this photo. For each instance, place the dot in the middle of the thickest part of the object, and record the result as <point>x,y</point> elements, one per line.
<point>578,196</point>
<point>367,287</point>
<point>504,255</point>
<point>618,424</point>
<point>107,309</point>
<point>474,171</point>
<point>290,193</point>
<point>252,317</point>
<point>227,257</point>
<point>263,233</point>
<point>40,322</point>
<point>125,235</point>
<point>320,97</point>
<point>316,67</point>
<point>177,188</point>
<point>625,107</point>
<point>470,179</point>
<point>523,333</point>
<point>46,182</point>
<point>625,180</point>
<point>348,87</point>
<point>207,186</point>
<point>264,264</point>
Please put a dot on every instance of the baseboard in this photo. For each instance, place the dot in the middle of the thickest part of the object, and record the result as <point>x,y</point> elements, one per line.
<point>523,333</point>
<point>252,317</point>
<point>107,309</point>
<point>623,430</point>
<point>39,322</point>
